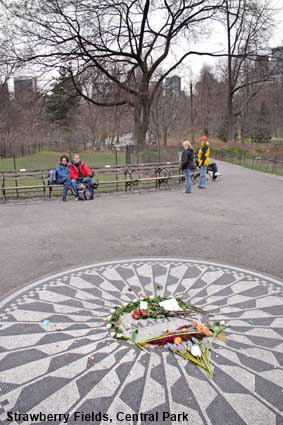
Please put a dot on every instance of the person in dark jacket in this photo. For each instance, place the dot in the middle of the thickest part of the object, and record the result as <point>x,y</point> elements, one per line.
<point>187,164</point>
<point>80,173</point>
<point>63,176</point>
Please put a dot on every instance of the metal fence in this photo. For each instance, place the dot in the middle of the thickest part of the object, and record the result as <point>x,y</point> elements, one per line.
<point>274,166</point>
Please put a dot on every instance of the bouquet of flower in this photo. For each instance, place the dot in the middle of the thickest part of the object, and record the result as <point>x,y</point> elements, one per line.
<point>195,351</point>
<point>191,341</point>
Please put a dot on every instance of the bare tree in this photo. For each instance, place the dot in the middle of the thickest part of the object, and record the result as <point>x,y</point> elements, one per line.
<point>135,36</point>
<point>209,101</point>
<point>169,116</point>
<point>247,26</point>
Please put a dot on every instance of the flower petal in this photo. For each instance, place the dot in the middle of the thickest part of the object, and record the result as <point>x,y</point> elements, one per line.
<point>196,351</point>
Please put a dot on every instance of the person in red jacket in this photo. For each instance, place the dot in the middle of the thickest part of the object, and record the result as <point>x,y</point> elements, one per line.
<point>80,173</point>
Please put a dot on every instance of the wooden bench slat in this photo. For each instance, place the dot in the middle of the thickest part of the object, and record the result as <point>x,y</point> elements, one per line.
<point>23,187</point>
<point>100,183</point>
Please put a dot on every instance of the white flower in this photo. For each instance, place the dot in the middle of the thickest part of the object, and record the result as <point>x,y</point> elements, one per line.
<point>151,297</point>
<point>196,351</point>
<point>112,310</point>
<point>222,322</point>
<point>109,326</point>
<point>113,334</point>
<point>119,336</point>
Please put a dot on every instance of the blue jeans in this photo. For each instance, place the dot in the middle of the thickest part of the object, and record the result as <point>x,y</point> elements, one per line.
<point>67,186</point>
<point>188,181</point>
<point>87,180</point>
<point>202,177</point>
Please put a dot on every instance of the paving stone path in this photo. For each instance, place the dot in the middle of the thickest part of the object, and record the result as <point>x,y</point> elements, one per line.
<point>56,355</point>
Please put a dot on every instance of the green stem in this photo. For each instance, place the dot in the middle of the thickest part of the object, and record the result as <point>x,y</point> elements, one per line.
<point>189,356</point>
<point>207,362</point>
<point>142,348</point>
<point>158,338</point>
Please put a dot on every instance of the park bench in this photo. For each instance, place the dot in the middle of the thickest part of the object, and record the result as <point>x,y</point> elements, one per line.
<point>126,177</point>
<point>7,187</point>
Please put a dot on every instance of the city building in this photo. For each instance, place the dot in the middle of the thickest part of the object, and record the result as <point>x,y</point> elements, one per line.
<point>173,85</point>
<point>277,61</point>
<point>263,66</point>
<point>24,87</point>
<point>4,93</point>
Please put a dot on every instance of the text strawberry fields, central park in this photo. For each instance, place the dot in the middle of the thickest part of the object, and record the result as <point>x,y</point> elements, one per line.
<point>98,417</point>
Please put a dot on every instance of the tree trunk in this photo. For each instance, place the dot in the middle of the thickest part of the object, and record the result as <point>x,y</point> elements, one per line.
<point>141,122</point>
<point>165,136</point>
<point>242,131</point>
<point>192,118</point>
<point>230,117</point>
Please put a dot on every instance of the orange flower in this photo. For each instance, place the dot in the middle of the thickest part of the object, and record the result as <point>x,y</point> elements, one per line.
<point>178,340</point>
<point>206,331</point>
<point>203,329</point>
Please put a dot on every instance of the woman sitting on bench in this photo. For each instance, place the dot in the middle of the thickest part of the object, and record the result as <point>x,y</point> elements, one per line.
<point>63,176</point>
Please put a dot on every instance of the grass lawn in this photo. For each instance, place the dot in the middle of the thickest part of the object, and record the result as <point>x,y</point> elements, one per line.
<point>48,159</point>
<point>264,166</point>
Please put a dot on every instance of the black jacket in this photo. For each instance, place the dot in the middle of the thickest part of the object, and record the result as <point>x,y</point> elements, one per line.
<point>187,160</point>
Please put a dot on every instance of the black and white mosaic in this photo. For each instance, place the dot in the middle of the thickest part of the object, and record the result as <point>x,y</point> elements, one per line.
<point>56,355</point>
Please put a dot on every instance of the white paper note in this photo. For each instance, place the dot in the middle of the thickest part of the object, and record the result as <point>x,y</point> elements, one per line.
<point>170,305</point>
<point>143,305</point>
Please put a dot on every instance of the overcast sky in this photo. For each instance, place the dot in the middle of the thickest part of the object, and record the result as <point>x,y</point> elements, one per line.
<point>217,43</point>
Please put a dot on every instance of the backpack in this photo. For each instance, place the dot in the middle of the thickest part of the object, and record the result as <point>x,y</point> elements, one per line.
<point>51,179</point>
<point>84,192</point>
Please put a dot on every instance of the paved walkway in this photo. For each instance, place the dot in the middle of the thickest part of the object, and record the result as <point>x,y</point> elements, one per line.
<point>236,221</point>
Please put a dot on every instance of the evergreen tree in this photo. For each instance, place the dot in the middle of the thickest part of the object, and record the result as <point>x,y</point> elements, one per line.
<point>63,100</point>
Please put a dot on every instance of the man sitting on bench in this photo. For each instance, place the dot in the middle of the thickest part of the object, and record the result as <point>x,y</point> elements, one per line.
<point>80,173</point>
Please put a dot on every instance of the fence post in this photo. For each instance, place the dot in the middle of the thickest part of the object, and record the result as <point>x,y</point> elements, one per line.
<point>14,160</point>
<point>16,183</point>
<point>3,187</point>
<point>116,163</point>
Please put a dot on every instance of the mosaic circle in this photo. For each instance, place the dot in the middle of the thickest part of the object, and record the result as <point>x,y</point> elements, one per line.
<point>58,357</point>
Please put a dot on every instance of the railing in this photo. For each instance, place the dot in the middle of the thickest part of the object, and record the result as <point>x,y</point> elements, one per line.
<point>30,183</point>
<point>274,166</point>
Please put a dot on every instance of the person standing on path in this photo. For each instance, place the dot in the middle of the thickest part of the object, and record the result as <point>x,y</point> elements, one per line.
<point>203,161</point>
<point>187,164</point>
